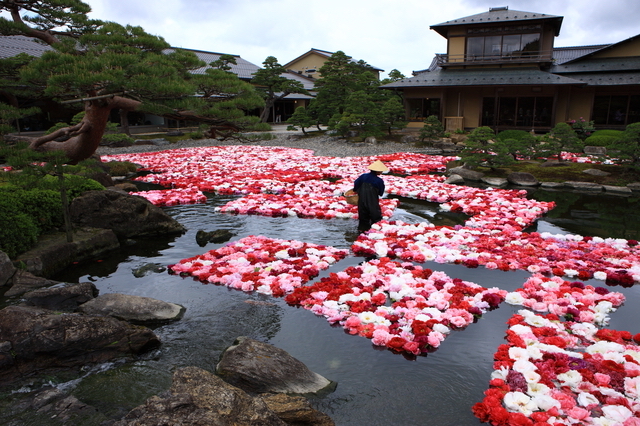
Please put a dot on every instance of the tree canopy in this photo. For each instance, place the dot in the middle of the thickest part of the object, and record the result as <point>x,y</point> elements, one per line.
<point>273,85</point>
<point>109,66</point>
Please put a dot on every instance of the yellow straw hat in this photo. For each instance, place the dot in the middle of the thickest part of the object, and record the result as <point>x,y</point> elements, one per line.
<point>378,166</point>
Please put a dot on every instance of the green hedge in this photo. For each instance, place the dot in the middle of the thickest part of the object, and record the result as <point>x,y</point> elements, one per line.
<point>513,134</point>
<point>25,214</point>
<point>75,185</point>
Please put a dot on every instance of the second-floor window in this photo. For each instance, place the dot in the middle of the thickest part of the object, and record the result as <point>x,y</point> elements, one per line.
<point>502,46</point>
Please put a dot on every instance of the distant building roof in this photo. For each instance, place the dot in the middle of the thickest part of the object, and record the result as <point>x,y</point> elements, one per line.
<point>498,15</point>
<point>482,77</point>
<point>16,44</point>
<point>566,54</point>
<point>243,69</point>
<point>13,45</point>
<point>324,53</point>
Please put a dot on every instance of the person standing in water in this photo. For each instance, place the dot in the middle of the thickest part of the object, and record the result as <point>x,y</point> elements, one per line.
<point>369,187</point>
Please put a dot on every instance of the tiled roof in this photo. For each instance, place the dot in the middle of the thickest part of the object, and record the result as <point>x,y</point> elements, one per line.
<point>608,79</point>
<point>483,77</point>
<point>599,65</point>
<point>13,45</point>
<point>243,69</point>
<point>566,54</point>
<point>497,15</point>
<point>308,83</point>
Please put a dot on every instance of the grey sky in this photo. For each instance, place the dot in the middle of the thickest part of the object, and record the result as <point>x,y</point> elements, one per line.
<point>386,34</point>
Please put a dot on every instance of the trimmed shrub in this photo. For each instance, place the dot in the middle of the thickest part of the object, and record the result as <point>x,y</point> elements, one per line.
<point>121,168</point>
<point>513,134</point>
<point>600,140</point>
<point>75,185</point>
<point>43,206</point>
<point>18,230</point>
<point>117,139</point>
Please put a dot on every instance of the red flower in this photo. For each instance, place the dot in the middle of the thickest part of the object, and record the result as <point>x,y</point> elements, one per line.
<point>396,343</point>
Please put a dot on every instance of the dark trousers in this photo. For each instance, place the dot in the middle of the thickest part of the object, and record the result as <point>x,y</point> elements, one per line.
<point>368,207</point>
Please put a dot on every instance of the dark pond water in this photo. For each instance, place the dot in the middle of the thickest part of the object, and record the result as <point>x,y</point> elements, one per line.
<point>374,386</point>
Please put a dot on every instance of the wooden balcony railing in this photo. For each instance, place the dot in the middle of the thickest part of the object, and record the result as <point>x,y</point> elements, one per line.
<point>538,57</point>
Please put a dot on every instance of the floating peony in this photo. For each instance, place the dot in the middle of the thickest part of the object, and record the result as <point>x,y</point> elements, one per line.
<point>558,373</point>
<point>256,263</point>
<point>616,261</point>
<point>321,207</point>
<point>572,300</point>
<point>397,305</point>
<point>173,197</point>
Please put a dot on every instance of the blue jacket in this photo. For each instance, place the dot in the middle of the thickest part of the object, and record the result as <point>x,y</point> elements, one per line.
<point>371,178</point>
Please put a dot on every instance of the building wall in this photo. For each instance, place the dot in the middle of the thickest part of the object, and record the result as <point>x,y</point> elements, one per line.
<point>625,49</point>
<point>312,61</point>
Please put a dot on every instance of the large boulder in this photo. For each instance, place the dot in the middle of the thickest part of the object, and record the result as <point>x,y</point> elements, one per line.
<point>295,410</point>
<point>258,367</point>
<point>467,174</point>
<point>127,215</point>
<point>522,179</point>
<point>198,397</point>
<point>6,269</point>
<point>134,309</point>
<point>53,253</point>
<point>62,297</point>
<point>33,339</point>
<point>24,281</point>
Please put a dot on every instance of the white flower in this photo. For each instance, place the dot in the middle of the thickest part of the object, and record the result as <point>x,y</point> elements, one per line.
<point>516,353</point>
<point>545,402</point>
<point>519,402</point>
<point>617,413</point>
<point>571,378</point>
<point>537,389</point>
<point>441,328</point>
<point>502,373</point>
<point>367,317</point>
<point>514,298</point>
<point>600,275</point>
<point>585,398</point>
<point>282,254</point>
<point>603,347</point>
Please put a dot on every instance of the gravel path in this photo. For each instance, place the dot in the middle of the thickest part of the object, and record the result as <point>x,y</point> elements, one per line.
<point>326,146</point>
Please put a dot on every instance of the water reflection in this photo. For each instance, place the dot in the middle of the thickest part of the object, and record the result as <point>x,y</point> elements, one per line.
<point>372,383</point>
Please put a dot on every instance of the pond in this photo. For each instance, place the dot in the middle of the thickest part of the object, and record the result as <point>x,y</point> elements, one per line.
<point>374,385</point>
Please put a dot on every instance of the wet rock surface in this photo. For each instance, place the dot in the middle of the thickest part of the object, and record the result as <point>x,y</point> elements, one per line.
<point>134,309</point>
<point>258,367</point>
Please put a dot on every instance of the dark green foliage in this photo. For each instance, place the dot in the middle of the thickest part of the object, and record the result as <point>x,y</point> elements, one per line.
<point>121,168</point>
<point>628,146</point>
<point>361,114</point>
<point>561,138</point>
<point>432,130</point>
<point>300,118</point>
<point>604,137</point>
<point>25,214</point>
<point>273,85</point>
<point>513,134</point>
<point>75,184</point>
<point>582,127</point>
<point>119,139</point>
<point>393,114</point>
<point>482,150</point>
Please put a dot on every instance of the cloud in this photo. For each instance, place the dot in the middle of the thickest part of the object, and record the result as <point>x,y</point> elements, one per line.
<point>386,34</point>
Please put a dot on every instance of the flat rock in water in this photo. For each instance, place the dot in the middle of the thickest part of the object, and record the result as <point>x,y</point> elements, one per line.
<point>63,297</point>
<point>466,173</point>
<point>522,179</point>
<point>499,182</point>
<point>133,309</point>
<point>198,397</point>
<point>258,367</point>
<point>584,186</point>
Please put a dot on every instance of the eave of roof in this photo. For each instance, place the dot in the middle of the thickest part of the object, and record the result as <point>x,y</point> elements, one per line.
<point>13,45</point>
<point>488,77</point>
<point>324,53</point>
<point>607,47</point>
<point>608,79</point>
<point>243,68</point>
<point>598,65</point>
<point>498,16</point>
